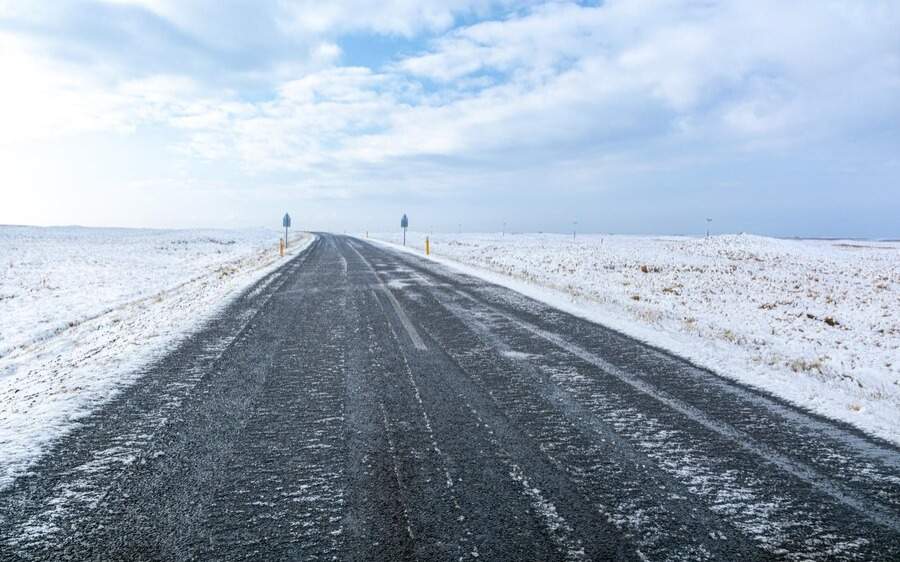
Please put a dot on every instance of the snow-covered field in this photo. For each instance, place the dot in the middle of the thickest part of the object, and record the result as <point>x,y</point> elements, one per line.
<point>82,309</point>
<point>816,322</point>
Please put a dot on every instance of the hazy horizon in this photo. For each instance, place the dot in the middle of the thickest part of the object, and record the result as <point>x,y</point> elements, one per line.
<point>277,229</point>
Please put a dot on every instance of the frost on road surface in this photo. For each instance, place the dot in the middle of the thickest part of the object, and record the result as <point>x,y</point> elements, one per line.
<point>82,310</point>
<point>814,321</point>
<point>317,417</point>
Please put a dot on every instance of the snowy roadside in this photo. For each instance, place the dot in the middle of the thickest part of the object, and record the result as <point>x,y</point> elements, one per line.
<point>83,310</point>
<point>816,322</point>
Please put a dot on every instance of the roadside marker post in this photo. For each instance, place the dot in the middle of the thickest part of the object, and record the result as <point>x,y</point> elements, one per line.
<point>281,246</point>
<point>404,223</point>
<point>286,223</point>
<point>427,246</point>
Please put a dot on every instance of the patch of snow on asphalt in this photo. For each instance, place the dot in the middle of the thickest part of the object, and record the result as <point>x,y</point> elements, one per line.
<point>82,310</point>
<point>814,321</point>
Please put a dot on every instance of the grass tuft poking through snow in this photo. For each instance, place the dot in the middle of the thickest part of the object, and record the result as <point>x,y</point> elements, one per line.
<point>82,310</point>
<point>814,321</point>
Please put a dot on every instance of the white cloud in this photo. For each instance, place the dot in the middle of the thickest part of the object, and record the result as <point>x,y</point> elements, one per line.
<point>621,84</point>
<point>398,17</point>
<point>573,76</point>
<point>753,68</point>
<point>41,98</point>
<point>214,21</point>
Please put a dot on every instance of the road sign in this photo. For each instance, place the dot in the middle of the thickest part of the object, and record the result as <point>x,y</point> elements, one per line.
<point>404,223</point>
<point>286,223</point>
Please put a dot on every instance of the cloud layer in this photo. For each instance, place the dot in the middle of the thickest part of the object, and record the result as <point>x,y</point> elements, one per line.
<point>479,96</point>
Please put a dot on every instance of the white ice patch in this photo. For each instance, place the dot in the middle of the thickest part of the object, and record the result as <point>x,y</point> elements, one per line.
<point>517,355</point>
<point>398,284</point>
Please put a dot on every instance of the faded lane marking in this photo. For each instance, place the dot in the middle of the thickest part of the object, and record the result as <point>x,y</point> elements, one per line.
<point>404,319</point>
<point>417,340</point>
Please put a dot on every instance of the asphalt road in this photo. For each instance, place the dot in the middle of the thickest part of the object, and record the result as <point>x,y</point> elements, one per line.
<point>364,404</point>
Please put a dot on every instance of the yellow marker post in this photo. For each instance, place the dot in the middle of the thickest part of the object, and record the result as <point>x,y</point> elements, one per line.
<point>281,246</point>
<point>427,246</point>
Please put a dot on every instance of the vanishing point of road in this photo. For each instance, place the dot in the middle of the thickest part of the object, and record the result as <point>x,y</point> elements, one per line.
<point>362,403</point>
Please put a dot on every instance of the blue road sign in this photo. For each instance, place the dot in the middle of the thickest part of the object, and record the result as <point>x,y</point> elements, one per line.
<point>286,221</point>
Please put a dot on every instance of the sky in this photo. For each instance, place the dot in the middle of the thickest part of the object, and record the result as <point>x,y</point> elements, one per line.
<point>627,116</point>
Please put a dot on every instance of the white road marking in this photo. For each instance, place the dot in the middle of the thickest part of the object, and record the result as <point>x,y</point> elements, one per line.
<point>445,459</point>
<point>404,319</point>
<point>417,340</point>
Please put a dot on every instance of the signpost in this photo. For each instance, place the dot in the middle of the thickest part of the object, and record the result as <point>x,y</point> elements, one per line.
<point>404,223</point>
<point>286,223</point>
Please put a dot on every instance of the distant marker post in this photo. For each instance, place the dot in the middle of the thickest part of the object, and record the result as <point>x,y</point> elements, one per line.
<point>286,223</point>
<point>404,223</point>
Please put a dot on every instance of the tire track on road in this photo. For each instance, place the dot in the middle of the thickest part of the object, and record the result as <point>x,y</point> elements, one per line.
<point>500,323</point>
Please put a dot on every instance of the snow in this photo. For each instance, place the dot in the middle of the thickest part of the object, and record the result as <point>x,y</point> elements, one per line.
<point>816,322</point>
<point>82,310</point>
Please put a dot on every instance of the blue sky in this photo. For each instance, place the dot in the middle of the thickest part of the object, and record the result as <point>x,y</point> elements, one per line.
<point>630,116</point>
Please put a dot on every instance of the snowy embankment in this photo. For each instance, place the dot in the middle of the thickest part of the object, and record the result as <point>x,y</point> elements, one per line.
<point>83,309</point>
<point>816,322</point>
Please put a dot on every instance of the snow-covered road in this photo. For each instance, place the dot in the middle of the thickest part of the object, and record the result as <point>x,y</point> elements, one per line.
<point>364,404</point>
<point>83,310</point>
<point>814,321</point>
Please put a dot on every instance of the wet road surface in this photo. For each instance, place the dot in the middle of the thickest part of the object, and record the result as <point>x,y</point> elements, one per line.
<point>364,404</point>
